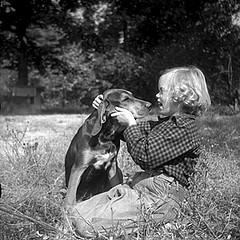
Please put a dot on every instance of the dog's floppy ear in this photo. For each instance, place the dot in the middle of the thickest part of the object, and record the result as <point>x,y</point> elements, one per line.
<point>101,118</point>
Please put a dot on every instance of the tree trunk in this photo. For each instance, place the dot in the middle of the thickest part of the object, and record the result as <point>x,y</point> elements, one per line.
<point>23,61</point>
<point>230,79</point>
<point>125,31</point>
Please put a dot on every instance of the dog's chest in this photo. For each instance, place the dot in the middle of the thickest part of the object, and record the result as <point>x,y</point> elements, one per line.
<point>100,155</point>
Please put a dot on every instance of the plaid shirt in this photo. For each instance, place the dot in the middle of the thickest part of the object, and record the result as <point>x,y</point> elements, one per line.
<point>169,145</point>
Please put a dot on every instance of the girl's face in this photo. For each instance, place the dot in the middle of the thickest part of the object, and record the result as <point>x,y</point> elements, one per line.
<point>167,106</point>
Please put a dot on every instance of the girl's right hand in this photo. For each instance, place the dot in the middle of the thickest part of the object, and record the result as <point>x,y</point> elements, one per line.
<point>97,100</point>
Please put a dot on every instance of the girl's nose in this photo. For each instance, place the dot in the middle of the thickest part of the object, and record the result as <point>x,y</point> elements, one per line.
<point>157,95</point>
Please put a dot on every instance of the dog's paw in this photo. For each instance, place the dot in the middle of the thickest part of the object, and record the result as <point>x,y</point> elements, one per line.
<point>68,209</point>
<point>63,192</point>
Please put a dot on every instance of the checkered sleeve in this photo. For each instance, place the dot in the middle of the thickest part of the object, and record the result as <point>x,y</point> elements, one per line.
<point>162,144</point>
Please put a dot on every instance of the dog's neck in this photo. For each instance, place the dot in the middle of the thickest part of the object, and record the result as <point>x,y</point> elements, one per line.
<point>110,129</point>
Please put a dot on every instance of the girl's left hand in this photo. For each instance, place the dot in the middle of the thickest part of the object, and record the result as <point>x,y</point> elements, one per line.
<point>124,117</point>
<point>97,100</point>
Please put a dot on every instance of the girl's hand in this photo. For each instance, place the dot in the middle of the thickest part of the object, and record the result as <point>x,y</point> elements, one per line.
<point>124,117</point>
<point>97,100</point>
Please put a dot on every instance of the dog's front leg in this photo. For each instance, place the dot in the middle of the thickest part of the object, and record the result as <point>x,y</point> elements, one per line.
<point>75,177</point>
<point>115,175</point>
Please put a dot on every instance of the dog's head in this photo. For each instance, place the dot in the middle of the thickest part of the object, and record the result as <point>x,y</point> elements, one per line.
<point>119,98</point>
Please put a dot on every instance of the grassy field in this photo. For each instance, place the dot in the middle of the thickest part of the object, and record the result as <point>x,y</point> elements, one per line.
<point>32,150</point>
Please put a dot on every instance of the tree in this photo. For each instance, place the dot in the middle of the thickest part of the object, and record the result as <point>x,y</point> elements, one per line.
<point>124,43</point>
<point>221,47</point>
<point>16,19</point>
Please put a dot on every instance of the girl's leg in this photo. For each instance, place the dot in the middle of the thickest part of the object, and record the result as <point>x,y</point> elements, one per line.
<point>160,196</point>
<point>120,205</point>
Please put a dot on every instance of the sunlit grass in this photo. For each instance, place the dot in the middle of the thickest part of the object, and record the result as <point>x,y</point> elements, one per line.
<point>32,150</point>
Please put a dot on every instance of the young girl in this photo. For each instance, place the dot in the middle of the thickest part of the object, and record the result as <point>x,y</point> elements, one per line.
<point>166,150</point>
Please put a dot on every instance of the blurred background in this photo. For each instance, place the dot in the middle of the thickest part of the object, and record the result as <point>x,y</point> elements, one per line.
<point>57,55</point>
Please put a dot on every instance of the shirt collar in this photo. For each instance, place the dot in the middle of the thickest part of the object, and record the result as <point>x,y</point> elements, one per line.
<point>179,120</point>
<point>164,119</point>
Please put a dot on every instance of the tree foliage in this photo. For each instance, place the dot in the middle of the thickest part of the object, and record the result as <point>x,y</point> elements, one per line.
<point>74,48</point>
<point>16,17</point>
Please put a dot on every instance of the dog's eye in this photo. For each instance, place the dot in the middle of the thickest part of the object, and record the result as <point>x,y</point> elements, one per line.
<point>107,103</point>
<point>126,99</point>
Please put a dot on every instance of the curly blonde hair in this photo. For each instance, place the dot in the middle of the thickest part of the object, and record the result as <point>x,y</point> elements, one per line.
<point>188,85</point>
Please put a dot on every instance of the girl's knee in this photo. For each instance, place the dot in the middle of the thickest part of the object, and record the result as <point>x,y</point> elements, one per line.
<point>167,211</point>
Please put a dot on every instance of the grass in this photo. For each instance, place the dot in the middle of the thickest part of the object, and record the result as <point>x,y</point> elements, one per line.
<point>32,150</point>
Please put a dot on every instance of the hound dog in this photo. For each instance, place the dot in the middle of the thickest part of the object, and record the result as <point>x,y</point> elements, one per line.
<point>91,160</point>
